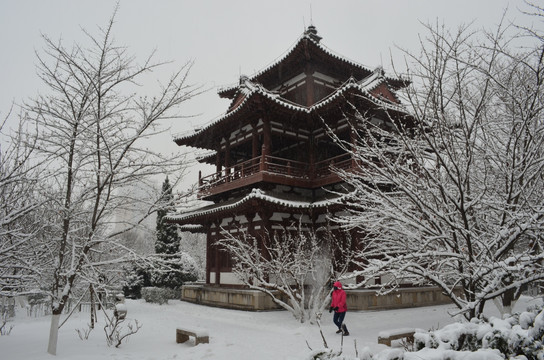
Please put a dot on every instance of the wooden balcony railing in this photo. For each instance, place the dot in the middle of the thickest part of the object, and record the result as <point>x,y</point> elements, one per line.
<point>283,170</point>
<point>326,167</point>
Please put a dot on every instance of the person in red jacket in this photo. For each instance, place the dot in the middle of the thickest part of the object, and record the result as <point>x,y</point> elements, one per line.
<point>338,305</point>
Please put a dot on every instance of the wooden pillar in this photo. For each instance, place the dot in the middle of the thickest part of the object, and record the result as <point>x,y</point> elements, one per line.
<point>251,230</point>
<point>266,227</point>
<point>217,254</point>
<point>254,144</point>
<point>267,136</point>
<point>217,265</point>
<point>311,158</point>
<point>264,154</point>
<point>227,159</point>
<point>208,254</point>
<point>212,252</point>
<point>265,233</point>
<point>218,160</point>
<point>267,143</point>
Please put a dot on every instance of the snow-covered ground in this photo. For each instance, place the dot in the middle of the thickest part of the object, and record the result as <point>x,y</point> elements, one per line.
<point>238,335</point>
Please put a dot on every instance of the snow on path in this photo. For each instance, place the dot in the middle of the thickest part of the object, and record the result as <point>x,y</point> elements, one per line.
<point>239,335</point>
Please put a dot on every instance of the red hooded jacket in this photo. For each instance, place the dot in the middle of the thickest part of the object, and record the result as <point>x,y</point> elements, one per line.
<point>339,298</point>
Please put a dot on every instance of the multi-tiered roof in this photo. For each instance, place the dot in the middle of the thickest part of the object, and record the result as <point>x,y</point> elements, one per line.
<point>273,132</point>
<point>266,87</point>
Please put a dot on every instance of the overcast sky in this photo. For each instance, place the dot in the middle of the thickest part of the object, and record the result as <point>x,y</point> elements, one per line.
<point>225,38</point>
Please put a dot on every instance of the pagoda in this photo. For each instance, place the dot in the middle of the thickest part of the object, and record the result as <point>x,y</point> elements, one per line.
<point>273,153</point>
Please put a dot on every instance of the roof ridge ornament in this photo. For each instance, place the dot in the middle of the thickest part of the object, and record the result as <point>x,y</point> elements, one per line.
<point>379,70</point>
<point>311,32</point>
<point>243,79</point>
<point>246,85</point>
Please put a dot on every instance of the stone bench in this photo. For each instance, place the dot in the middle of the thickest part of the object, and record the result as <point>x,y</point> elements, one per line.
<point>201,336</point>
<point>385,337</point>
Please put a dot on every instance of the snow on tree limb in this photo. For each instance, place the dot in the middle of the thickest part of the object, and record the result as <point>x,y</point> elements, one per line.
<point>455,199</point>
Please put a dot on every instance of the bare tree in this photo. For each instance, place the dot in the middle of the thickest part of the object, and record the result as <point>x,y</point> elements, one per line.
<point>456,198</point>
<point>294,266</point>
<point>92,136</point>
<point>20,250</point>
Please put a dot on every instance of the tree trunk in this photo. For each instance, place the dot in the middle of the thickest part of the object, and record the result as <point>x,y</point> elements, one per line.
<point>505,303</point>
<point>93,309</point>
<point>53,334</point>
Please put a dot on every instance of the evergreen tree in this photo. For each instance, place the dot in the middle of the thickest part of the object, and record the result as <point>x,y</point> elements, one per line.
<point>167,234</point>
<point>177,266</point>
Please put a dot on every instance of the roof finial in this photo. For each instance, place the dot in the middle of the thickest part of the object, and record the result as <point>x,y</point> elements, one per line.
<point>311,32</point>
<point>243,79</point>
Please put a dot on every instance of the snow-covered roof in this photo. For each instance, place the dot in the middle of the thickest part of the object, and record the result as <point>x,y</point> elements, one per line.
<point>255,194</point>
<point>311,36</point>
<point>250,90</point>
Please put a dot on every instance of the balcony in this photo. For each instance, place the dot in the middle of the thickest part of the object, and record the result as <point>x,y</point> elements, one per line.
<point>276,170</point>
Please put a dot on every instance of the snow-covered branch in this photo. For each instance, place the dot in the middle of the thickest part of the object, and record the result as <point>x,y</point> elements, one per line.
<point>294,266</point>
<point>452,195</point>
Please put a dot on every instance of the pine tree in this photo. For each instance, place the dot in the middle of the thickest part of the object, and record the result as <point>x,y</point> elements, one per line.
<point>167,234</point>
<point>178,267</point>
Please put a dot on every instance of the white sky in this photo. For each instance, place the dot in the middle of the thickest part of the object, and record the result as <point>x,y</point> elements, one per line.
<point>225,38</point>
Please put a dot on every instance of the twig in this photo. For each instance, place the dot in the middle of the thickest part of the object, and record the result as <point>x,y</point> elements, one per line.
<point>73,309</point>
<point>323,337</point>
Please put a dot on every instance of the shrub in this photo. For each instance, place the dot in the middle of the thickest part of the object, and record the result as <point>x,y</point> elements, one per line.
<point>515,335</point>
<point>159,295</point>
<point>135,278</point>
<point>519,336</point>
<point>174,271</point>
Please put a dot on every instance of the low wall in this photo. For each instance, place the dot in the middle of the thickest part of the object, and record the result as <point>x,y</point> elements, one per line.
<point>242,299</point>
<point>245,299</point>
<point>401,298</point>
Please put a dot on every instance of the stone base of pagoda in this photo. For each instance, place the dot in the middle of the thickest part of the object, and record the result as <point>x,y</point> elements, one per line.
<point>253,300</point>
<point>230,298</point>
<point>401,298</point>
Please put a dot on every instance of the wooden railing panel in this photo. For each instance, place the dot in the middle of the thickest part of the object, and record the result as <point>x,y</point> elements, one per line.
<point>274,166</point>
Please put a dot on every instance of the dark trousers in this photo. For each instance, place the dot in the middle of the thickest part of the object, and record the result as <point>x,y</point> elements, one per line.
<point>339,319</point>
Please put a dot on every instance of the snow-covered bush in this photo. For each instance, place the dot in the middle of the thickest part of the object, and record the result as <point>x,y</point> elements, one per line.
<point>328,354</point>
<point>161,271</point>
<point>173,270</point>
<point>135,278</point>
<point>117,331</point>
<point>456,336</point>
<point>515,335</point>
<point>159,295</point>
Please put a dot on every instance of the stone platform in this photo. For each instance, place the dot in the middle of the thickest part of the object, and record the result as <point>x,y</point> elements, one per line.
<point>253,300</point>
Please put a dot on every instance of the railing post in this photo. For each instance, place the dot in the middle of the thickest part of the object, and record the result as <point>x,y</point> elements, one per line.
<point>289,170</point>
<point>262,167</point>
<point>199,177</point>
<point>264,152</point>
